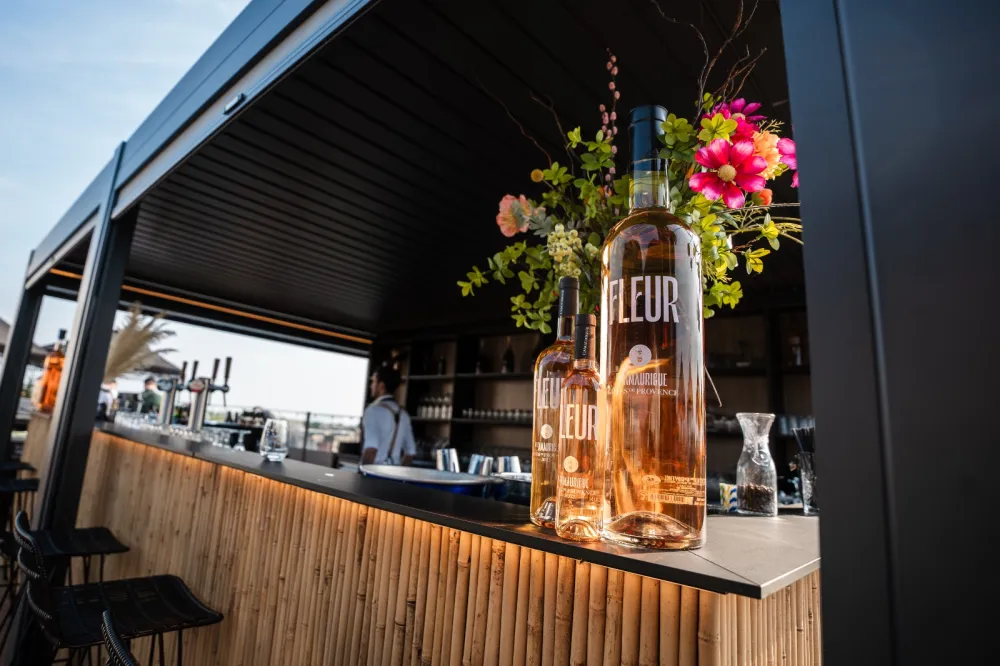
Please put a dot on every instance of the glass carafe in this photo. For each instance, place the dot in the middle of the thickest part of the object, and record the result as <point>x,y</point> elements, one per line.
<point>756,476</point>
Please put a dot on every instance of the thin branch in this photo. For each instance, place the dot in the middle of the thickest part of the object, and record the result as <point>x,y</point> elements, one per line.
<point>514,119</point>
<point>725,43</point>
<point>547,103</point>
<point>702,76</point>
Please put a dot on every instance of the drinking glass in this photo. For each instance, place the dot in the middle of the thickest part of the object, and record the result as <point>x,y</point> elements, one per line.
<point>274,440</point>
<point>807,483</point>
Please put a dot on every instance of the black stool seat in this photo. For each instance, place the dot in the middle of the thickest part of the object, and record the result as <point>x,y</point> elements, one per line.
<point>16,466</point>
<point>139,606</point>
<point>78,542</point>
<point>9,486</point>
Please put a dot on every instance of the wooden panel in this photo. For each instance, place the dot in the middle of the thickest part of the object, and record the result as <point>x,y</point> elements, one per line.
<point>305,578</point>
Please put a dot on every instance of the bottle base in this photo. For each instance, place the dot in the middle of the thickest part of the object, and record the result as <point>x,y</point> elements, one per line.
<point>578,530</point>
<point>545,515</point>
<point>652,530</point>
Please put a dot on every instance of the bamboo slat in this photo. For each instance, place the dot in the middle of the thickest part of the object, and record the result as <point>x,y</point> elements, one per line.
<point>581,615</point>
<point>524,574</point>
<point>508,611</point>
<point>481,591</point>
<point>448,623</point>
<point>306,578</point>
<point>670,623</point>
<point>396,647</point>
<point>549,608</point>
<point>494,611</point>
<point>414,630</point>
<point>563,626</point>
<point>535,608</point>
<point>433,580</point>
<point>631,599</point>
<point>613,618</point>
<point>470,607</point>
<point>709,629</point>
<point>688,652</point>
<point>649,623</point>
<point>460,621</point>
<point>596,615</point>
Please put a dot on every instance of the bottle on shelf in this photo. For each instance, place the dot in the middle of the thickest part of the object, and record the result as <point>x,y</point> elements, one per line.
<point>482,360</point>
<point>507,361</point>
<point>442,366</point>
<point>51,374</point>
<point>652,360</point>
<point>580,486</point>
<point>551,369</point>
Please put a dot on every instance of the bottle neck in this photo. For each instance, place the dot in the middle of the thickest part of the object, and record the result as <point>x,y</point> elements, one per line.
<point>584,364</point>
<point>650,186</point>
<point>564,328</point>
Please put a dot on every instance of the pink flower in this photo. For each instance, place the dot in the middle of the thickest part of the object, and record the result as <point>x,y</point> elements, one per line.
<point>513,215</point>
<point>739,108</point>
<point>740,111</point>
<point>733,169</point>
<point>787,149</point>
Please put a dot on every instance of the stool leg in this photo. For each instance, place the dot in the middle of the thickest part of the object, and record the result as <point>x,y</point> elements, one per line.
<point>163,656</point>
<point>152,649</point>
<point>102,568</point>
<point>180,647</point>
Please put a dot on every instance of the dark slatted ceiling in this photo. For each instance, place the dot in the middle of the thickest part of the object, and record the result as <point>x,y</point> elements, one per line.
<point>364,185</point>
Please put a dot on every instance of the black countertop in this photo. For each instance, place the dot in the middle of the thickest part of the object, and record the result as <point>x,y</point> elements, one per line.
<point>752,557</point>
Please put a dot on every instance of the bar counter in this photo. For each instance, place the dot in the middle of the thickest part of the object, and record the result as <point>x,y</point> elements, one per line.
<point>316,565</point>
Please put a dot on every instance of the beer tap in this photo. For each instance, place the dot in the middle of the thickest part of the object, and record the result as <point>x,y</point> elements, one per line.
<point>170,387</point>
<point>224,387</point>
<point>201,389</point>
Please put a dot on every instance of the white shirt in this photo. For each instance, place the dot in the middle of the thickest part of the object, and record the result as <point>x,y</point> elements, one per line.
<point>378,423</point>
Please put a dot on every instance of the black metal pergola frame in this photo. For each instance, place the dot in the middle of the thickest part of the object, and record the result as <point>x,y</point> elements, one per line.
<point>881,429</point>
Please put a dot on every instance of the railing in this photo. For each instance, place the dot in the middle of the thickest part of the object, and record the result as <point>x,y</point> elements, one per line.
<point>312,431</point>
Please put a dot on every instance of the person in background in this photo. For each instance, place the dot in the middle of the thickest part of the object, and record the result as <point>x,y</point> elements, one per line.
<point>387,436</point>
<point>149,400</point>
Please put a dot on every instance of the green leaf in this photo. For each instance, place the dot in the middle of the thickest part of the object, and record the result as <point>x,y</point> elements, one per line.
<point>594,239</point>
<point>774,243</point>
<point>574,137</point>
<point>544,327</point>
<point>466,288</point>
<point>716,127</point>
<point>527,281</point>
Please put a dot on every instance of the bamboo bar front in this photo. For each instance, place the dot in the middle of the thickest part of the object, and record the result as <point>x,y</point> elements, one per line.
<point>305,578</point>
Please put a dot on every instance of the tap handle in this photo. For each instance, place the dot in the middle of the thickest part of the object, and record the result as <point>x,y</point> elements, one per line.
<point>229,365</point>
<point>194,370</point>
<point>184,370</point>
<point>215,370</point>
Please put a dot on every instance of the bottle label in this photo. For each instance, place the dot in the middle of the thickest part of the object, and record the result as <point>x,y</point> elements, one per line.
<point>649,298</point>
<point>574,485</point>
<point>686,490</point>
<point>547,392</point>
<point>579,422</point>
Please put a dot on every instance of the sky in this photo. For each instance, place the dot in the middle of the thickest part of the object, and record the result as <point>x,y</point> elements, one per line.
<point>76,78</point>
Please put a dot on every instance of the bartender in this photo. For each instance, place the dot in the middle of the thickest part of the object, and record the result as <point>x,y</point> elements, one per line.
<point>387,436</point>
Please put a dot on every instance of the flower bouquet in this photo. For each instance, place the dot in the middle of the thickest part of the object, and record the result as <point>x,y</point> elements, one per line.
<point>719,165</point>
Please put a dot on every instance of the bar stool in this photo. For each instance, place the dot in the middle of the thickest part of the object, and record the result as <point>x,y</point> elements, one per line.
<point>118,652</point>
<point>71,616</point>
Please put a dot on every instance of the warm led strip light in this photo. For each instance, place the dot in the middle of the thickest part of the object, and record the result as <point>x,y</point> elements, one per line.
<point>225,310</point>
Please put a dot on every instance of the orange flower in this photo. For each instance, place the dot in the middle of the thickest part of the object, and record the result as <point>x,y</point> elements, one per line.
<point>537,176</point>
<point>763,197</point>
<point>765,145</point>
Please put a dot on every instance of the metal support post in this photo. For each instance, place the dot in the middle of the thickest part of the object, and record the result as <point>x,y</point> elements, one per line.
<point>15,360</point>
<point>73,419</point>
